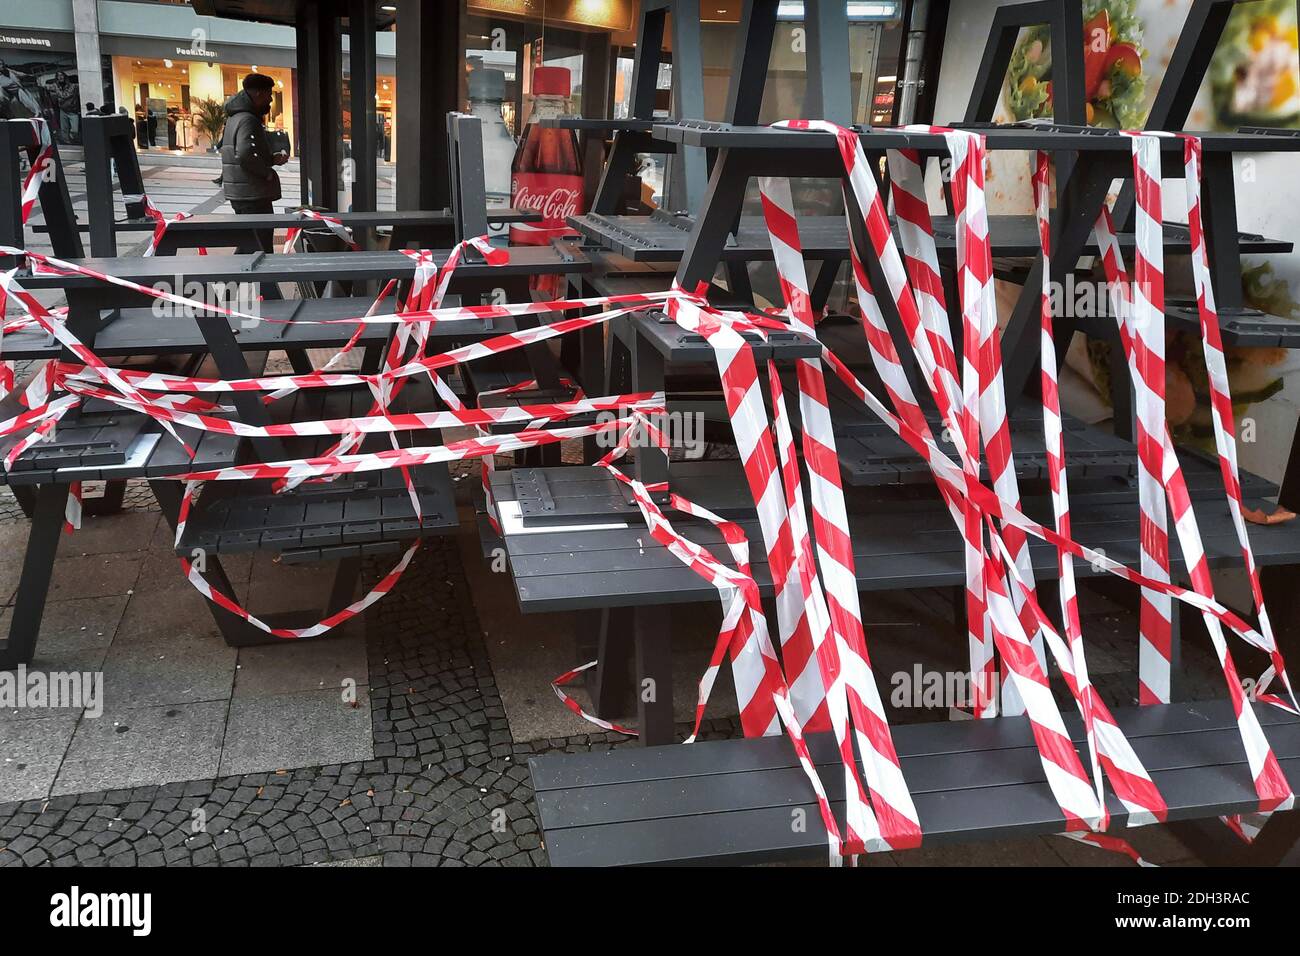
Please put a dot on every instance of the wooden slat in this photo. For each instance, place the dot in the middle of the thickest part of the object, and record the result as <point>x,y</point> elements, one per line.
<point>732,801</point>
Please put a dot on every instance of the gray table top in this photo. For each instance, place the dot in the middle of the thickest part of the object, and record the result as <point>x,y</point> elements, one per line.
<point>1019,137</point>
<point>289,218</point>
<point>297,267</point>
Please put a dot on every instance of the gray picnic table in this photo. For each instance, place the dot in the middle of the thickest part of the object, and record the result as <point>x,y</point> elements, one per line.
<point>344,520</point>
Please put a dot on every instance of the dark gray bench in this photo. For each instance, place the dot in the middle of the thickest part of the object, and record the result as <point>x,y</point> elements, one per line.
<point>736,801</point>
<point>663,237</point>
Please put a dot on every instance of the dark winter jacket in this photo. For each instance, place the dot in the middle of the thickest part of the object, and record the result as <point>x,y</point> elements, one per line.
<point>246,169</point>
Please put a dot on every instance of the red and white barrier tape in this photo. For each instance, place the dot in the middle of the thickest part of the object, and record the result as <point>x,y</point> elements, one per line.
<point>160,222</point>
<point>821,631</point>
<point>335,225</point>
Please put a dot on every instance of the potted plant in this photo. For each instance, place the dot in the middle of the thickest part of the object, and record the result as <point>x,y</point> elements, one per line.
<point>209,119</point>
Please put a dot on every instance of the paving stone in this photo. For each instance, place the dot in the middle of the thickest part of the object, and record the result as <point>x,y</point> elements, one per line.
<point>292,730</point>
<point>275,587</point>
<point>137,746</point>
<point>181,668</point>
<point>181,613</point>
<point>93,576</point>
<point>30,754</point>
<point>74,634</point>
<point>293,666</point>
<point>160,571</point>
<point>120,533</point>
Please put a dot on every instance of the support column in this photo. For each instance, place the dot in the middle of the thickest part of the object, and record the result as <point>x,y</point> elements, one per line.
<point>321,102</point>
<point>361,60</point>
<point>595,98</point>
<point>430,76</point>
<point>90,75</point>
<point>688,98</point>
<point>827,24</point>
<point>754,35</point>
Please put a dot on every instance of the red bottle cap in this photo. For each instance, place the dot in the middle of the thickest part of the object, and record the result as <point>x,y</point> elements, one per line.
<point>551,81</point>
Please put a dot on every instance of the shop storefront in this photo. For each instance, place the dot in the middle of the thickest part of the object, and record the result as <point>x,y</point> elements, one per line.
<point>385,110</point>
<point>506,40</point>
<point>178,104</point>
<point>176,92</point>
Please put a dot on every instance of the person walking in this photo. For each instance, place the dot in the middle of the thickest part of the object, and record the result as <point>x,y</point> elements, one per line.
<point>248,175</point>
<point>67,99</point>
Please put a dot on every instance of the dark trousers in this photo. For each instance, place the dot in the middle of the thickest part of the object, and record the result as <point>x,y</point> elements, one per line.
<point>244,207</point>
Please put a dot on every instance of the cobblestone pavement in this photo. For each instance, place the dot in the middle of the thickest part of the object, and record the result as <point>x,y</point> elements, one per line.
<point>448,785</point>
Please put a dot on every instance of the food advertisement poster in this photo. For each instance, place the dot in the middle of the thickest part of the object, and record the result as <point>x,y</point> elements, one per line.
<point>1254,80</point>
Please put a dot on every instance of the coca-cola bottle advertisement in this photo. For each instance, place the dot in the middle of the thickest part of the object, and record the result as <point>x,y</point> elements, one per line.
<point>547,171</point>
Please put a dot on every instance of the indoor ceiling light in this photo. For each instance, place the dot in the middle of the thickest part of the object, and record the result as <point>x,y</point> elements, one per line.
<point>856,9</point>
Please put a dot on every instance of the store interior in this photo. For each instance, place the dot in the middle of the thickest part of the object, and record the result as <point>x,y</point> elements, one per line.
<point>178,104</point>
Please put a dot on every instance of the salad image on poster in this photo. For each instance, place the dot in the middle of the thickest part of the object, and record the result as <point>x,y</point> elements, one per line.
<point>1114,85</point>
<point>1255,76</point>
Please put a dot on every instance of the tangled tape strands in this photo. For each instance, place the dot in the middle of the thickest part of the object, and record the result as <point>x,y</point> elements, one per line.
<point>42,169</point>
<point>94,379</point>
<point>160,222</point>
<point>822,679</point>
<point>332,223</point>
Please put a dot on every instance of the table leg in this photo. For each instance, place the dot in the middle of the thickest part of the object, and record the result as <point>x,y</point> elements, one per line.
<point>648,375</point>
<point>824,284</point>
<point>344,587</point>
<point>610,684</point>
<point>654,674</point>
<point>110,502</point>
<point>34,582</point>
<point>591,375</point>
<point>299,361</point>
<point>25,497</point>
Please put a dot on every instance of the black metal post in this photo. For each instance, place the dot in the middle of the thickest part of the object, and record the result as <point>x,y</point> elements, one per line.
<point>614,649</point>
<point>54,199</point>
<point>688,96</point>
<point>99,186</point>
<point>430,64</point>
<point>361,63</point>
<point>654,674</point>
<point>827,59</point>
<point>468,187</point>
<point>754,36</point>
<point>34,581</point>
<point>320,46</point>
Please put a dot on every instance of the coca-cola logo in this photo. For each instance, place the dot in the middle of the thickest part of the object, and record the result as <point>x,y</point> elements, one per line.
<point>554,204</point>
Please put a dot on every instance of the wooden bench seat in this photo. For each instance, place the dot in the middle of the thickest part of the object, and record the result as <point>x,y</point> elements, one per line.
<point>351,516</point>
<point>663,237</point>
<point>290,324</point>
<point>106,443</point>
<point>733,801</point>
